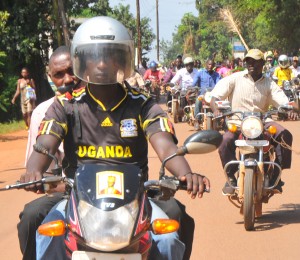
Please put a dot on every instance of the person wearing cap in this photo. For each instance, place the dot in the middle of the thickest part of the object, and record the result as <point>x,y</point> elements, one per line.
<point>294,67</point>
<point>251,91</point>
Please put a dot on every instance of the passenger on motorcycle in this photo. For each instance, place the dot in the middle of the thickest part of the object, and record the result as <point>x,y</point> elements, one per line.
<point>251,91</point>
<point>282,72</point>
<point>268,68</point>
<point>171,72</point>
<point>206,78</point>
<point>295,66</point>
<point>92,118</point>
<point>184,78</point>
<point>61,74</point>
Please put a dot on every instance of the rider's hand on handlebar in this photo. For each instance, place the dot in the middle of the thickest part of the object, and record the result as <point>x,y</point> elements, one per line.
<point>28,177</point>
<point>292,115</point>
<point>196,183</point>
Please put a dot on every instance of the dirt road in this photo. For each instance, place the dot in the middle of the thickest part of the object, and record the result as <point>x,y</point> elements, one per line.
<point>219,230</point>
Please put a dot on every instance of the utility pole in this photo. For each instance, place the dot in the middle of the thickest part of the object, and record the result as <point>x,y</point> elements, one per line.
<point>138,23</point>
<point>157,30</point>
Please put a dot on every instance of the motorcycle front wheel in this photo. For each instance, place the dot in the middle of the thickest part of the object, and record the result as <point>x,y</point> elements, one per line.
<point>249,193</point>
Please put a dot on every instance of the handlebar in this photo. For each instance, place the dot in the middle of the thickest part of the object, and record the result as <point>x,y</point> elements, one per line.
<point>45,180</point>
<point>281,109</point>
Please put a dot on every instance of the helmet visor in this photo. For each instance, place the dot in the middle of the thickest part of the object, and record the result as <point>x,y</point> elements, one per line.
<point>102,63</point>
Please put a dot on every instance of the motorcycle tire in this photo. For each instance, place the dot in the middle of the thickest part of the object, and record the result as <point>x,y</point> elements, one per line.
<point>249,193</point>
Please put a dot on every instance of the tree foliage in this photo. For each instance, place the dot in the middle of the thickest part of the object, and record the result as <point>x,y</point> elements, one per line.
<point>29,27</point>
<point>264,24</point>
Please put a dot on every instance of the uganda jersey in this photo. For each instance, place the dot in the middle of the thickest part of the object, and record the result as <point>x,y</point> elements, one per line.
<point>115,136</point>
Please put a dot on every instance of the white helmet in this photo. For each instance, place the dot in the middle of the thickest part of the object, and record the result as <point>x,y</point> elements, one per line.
<point>283,61</point>
<point>102,51</point>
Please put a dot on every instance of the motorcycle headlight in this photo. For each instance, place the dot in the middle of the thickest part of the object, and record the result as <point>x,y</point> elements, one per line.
<point>107,230</point>
<point>252,127</point>
<point>286,85</point>
<point>207,97</point>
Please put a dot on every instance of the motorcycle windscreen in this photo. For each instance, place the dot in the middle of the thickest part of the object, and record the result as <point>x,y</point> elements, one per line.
<point>108,206</point>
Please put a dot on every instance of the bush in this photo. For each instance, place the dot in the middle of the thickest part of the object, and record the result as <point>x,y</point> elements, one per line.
<point>8,111</point>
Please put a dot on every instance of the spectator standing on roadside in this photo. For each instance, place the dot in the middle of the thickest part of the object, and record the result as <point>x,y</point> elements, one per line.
<point>25,84</point>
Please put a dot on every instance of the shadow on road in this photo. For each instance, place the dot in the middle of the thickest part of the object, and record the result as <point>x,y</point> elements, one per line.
<point>15,169</point>
<point>5,138</point>
<point>287,214</point>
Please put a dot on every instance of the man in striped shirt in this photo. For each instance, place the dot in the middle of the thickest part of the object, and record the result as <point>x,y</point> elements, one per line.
<point>251,91</point>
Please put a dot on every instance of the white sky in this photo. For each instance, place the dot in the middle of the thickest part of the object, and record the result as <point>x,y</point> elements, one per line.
<point>170,15</point>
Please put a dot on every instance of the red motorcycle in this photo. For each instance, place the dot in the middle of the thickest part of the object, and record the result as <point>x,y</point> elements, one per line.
<point>108,213</point>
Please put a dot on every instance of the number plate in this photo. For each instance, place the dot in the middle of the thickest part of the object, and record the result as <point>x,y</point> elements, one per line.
<point>82,255</point>
<point>251,142</point>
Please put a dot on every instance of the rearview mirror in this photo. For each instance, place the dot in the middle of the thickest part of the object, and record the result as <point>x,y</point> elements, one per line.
<point>203,142</point>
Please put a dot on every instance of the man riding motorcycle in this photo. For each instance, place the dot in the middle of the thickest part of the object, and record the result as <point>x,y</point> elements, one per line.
<point>205,78</point>
<point>295,66</point>
<point>107,114</point>
<point>283,72</point>
<point>184,78</point>
<point>154,75</point>
<point>251,91</point>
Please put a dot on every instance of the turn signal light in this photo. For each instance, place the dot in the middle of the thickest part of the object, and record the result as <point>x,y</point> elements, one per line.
<point>232,128</point>
<point>163,226</point>
<point>53,228</point>
<point>272,130</point>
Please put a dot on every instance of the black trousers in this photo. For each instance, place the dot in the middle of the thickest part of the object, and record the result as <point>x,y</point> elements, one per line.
<point>176,210</point>
<point>30,219</point>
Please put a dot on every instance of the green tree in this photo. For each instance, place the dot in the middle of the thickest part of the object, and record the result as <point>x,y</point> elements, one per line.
<point>29,26</point>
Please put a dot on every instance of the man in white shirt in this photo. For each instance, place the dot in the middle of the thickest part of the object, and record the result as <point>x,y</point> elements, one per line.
<point>184,78</point>
<point>295,68</point>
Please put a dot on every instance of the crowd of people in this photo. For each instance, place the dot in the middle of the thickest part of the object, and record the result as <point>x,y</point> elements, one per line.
<point>96,79</point>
